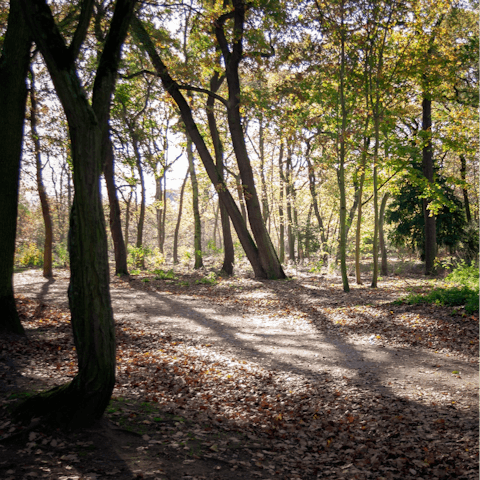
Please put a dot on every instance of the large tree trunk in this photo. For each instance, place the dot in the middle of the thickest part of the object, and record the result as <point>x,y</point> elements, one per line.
<point>226,198</point>
<point>428,172</point>
<point>177,227</point>
<point>119,245</point>
<point>84,400</point>
<point>13,95</point>
<point>197,227</point>
<point>47,218</point>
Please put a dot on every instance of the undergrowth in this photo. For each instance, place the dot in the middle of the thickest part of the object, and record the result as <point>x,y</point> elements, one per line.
<point>463,291</point>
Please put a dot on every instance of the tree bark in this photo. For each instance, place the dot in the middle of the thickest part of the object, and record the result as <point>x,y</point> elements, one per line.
<point>197,227</point>
<point>376,122</point>
<point>177,227</point>
<point>119,244</point>
<point>428,172</point>
<point>83,401</point>
<point>47,218</point>
<point>13,95</point>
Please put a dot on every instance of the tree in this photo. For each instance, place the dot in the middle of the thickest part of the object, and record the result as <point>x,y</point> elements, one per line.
<point>13,95</point>
<point>47,218</point>
<point>260,263</point>
<point>83,401</point>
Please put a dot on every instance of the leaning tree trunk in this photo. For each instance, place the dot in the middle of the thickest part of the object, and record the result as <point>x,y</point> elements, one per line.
<point>47,218</point>
<point>83,401</point>
<point>13,95</point>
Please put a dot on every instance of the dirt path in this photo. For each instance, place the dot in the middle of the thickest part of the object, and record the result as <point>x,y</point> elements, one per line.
<point>287,343</point>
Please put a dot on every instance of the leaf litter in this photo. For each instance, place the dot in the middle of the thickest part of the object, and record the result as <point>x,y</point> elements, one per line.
<point>187,409</point>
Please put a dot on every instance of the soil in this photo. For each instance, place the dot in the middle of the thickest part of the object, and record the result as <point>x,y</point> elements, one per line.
<point>342,385</point>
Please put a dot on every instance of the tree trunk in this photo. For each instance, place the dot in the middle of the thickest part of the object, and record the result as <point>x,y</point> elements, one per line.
<point>47,218</point>
<point>358,273</point>
<point>160,197</point>
<point>83,401</point>
<point>281,214</point>
<point>172,87</point>
<point>289,192</point>
<point>141,219</point>
<point>228,250</point>
<point>13,95</point>
<point>428,172</point>
<point>383,250</point>
<point>119,245</point>
<point>265,209</point>
<point>466,203</point>
<point>177,227</point>
<point>197,236</point>
<point>313,192</point>
<point>341,170</point>
<point>376,122</point>
<point>268,256</point>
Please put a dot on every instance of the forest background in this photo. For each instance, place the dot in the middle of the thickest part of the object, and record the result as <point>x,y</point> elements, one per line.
<point>341,105</point>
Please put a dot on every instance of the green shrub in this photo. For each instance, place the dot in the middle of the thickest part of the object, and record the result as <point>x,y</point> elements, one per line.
<point>136,256</point>
<point>210,279</point>
<point>161,275</point>
<point>61,255</point>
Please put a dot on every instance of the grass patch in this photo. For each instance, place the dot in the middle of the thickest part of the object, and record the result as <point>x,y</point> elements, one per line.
<point>461,290</point>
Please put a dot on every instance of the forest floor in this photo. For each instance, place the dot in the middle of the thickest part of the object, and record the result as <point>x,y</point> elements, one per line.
<point>236,378</point>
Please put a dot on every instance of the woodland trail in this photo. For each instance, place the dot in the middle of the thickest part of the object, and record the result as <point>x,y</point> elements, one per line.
<point>285,342</point>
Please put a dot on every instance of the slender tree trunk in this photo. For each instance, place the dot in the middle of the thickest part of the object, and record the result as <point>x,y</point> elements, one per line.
<point>376,121</point>
<point>466,203</point>
<point>289,193</point>
<point>127,218</point>
<point>228,250</point>
<point>83,401</point>
<point>47,218</point>
<point>13,95</point>
<point>197,237</point>
<point>280,206</point>
<point>141,219</point>
<point>358,273</point>
<point>383,250</point>
<point>261,140</point>
<point>313,192</point>
<point>341,171</point>
<point>160,197</point>
<point>241,199</point>
<point>428,172</point>
<point>119,245</point>
<point>215,224</point>
<point>179,218</point>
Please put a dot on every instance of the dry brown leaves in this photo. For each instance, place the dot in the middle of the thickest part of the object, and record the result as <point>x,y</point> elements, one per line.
<point>290,426</point>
